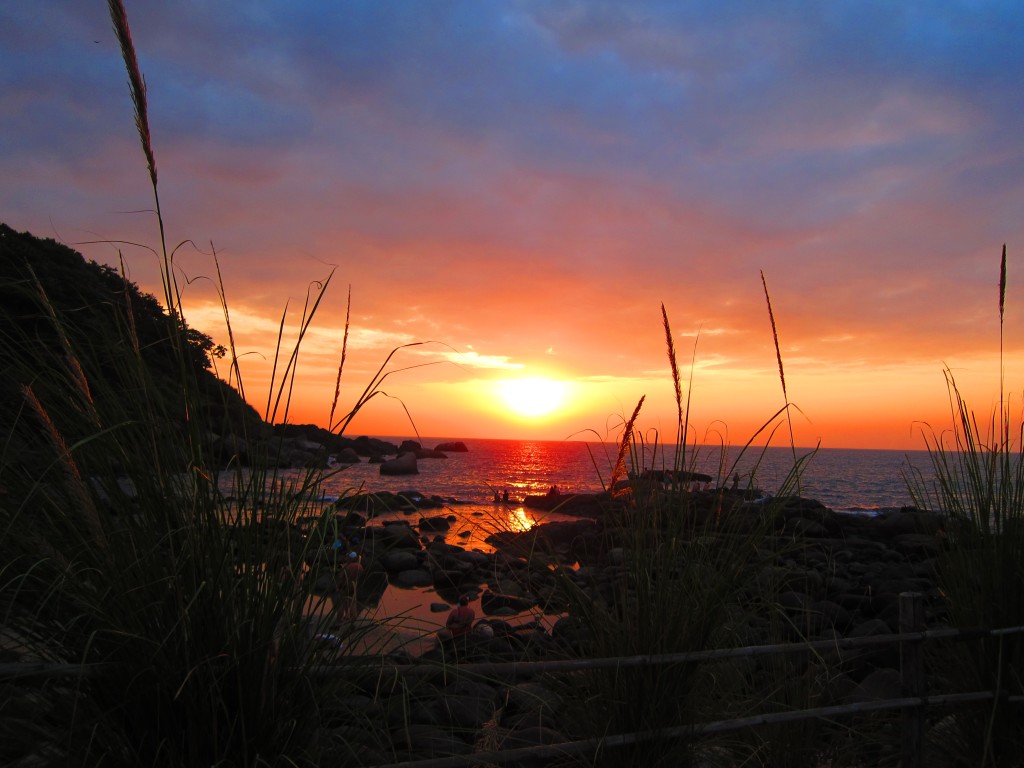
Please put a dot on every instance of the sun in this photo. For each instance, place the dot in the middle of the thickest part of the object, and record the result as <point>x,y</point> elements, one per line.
<point>532,397</point>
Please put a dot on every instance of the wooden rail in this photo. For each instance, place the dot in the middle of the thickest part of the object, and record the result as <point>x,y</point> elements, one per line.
<point>913,705</point>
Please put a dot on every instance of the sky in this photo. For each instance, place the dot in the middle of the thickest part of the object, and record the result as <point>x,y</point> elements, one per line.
<point>515,189</point>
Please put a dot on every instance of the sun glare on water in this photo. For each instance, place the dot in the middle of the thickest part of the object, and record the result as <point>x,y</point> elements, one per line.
<point>532,397</point>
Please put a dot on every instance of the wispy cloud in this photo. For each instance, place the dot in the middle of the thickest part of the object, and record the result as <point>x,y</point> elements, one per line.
<point>529,181</point>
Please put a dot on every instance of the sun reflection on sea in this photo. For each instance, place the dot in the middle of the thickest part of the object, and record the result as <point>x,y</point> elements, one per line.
<point>520,520</point>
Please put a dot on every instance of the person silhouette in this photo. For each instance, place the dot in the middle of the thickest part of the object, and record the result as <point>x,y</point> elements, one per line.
<point>459,621</point>
<point>345,597</point>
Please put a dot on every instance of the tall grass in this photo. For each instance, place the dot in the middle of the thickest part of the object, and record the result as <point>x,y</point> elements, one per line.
<point>683,572</point>
<point>188,608</point>
<point>978,466</point>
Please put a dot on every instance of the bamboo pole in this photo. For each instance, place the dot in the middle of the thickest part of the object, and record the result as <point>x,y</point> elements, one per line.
<point>527,668</point>
<point>912,678</point>
<point>686,731</point>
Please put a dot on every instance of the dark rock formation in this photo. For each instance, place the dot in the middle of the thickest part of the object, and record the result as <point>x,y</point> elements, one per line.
<point>347,455</point>
<point>436,524</point>
<point>577,504</point>
<point>454,447</point>
<point>405,464</point>
<point>831,576</point>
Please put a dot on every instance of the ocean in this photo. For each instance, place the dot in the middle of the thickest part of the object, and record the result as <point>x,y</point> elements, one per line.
<point>849,481</point>
<point>846,480</point>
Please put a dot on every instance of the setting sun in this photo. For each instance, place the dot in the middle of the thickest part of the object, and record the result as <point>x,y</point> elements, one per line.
<point>532,397</point>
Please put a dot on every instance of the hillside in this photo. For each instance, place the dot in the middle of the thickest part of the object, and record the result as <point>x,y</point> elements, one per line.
<point>89,349</point>
<point>95,352</point>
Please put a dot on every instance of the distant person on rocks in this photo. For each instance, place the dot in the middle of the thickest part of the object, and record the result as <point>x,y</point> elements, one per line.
<point>504,495</point>
<point>346,588</point>
<point>460,620</point>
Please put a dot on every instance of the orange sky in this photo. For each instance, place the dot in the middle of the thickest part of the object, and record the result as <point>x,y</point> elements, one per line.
<point>524,185</point>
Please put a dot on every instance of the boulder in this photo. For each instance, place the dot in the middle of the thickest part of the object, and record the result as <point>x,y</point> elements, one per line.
<point>412,578</point>
<point>347,456</point>
<point>372,447</point>
<point>879,685</point>
<point>405,464</point>
<point>428,741</point>
<point>448,579</point>
<point>467,705</point>
<point>399,560</point>
<point>436,524</point>
<point>531,696</point>
<point>453,447</point>
<point>396,535</point>
<point>496,603</point>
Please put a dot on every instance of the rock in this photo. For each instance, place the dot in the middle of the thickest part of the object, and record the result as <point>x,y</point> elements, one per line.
<point>347,456</point>
<point>909,521</point>
<point>794,601</point>
<point>448,579</point>
<point>496,603</point>
<point>576,504</point>
<point>372,447</point>
<point>427,741</point>
<point>434,524</point>
<point>454,447</point>
<point>408,446</point>
<point>399,560</point>
<point>532,696</point>
<point>833,614</point>
<point>548,537</point>
<point>477,559</point>
<point>879,685</point>
<point>503,610</point>
<point>469,704</point>
<point>396,535</point>
<point>373,504</point>
<point>412,578</point>
<point>323,583</point>
<point>405,464</point>
<point>917,544</point>
<point>801,526</point>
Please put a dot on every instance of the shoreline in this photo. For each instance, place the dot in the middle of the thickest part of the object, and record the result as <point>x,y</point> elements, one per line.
<point>438,567</point>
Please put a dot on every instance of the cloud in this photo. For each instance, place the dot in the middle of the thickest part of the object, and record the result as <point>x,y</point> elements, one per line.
<point>518,178</point>
<point>472,359</point>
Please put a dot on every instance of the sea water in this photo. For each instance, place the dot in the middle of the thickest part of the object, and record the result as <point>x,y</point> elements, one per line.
<point>846,480</point>
<point>849,481</point>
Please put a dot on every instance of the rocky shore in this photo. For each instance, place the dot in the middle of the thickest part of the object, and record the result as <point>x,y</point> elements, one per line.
<point>834,575</point>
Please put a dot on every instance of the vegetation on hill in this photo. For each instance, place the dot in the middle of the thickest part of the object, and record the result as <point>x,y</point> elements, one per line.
<point>65,319</point>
